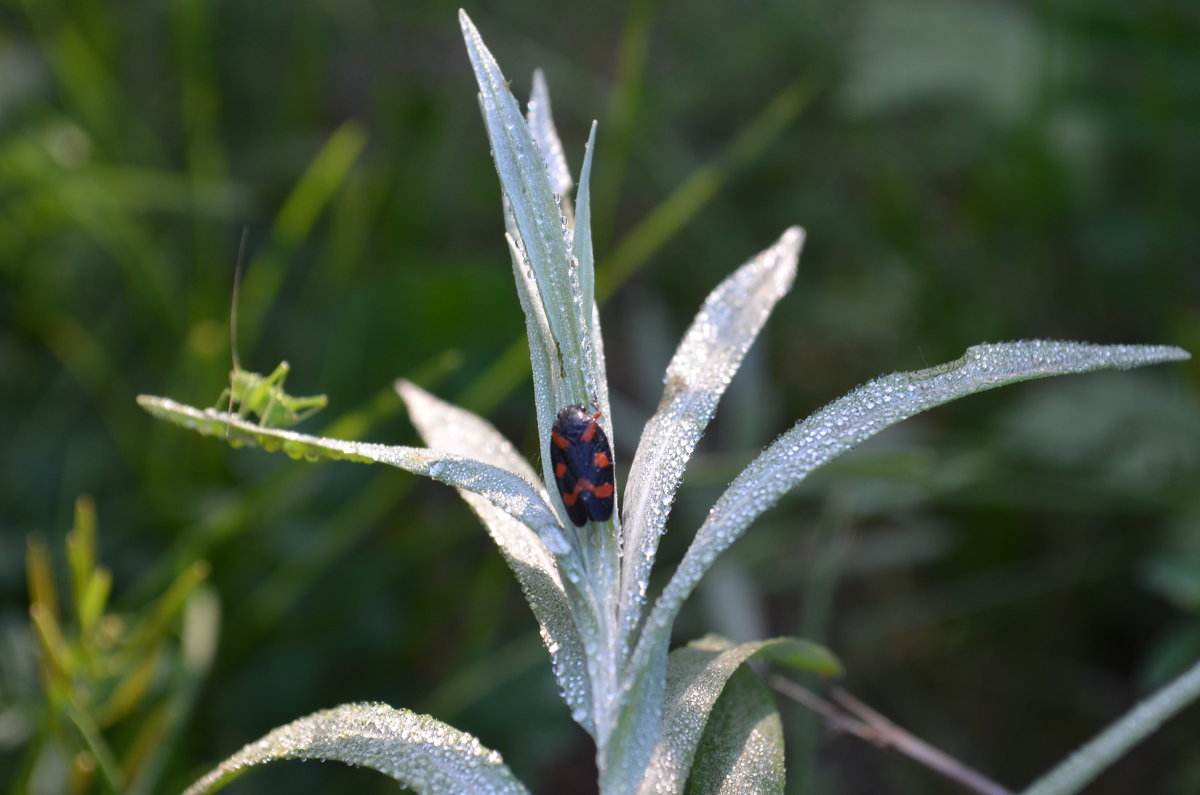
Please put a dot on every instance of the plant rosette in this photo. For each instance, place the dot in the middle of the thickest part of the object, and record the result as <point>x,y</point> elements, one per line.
<point>661,720</point>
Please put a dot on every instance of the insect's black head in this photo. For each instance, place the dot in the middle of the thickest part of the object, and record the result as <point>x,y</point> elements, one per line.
<point>573,417</point>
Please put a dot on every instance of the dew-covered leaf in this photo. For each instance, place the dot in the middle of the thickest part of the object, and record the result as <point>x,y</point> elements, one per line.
<point>847,422</point>
<point>448,428</point>
<point>639,723</point>
<point>542,352</point>
<point>696,677</point>
<point>421,753</point>
<point>703,365</point>
<point>866,411</point>
<point>454,430</point>
<point>582,238</point>
<point>505,489</point>
<point>741,752</point>
<point>585,260</point>
<point>542,233</point>
<point>541,126</point>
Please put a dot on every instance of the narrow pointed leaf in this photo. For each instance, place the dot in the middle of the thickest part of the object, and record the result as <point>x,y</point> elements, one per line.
<point>703,365</point>
<point>526,184</point>
<point>586,261</point>
<point>583,285</point>
<point>840,426</point>
<point>582,239</point>
<point>541,126</point>
<point>866,411</point>
<point>421,753</point>
<point>696,677</point>
<point>454,430</point>
<point>451,429</point>
<point>503,488</point>
<point>741,752</point>
<point>542,353</point>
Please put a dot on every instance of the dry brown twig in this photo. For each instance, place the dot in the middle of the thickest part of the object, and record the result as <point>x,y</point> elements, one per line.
<point>851,716</point>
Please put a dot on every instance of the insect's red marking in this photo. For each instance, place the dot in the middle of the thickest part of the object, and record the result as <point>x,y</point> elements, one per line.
<point>559,440</point>
<point>560,469</point>
<point>601,459</point>
<point>603,491</point>
<point>589,433</point>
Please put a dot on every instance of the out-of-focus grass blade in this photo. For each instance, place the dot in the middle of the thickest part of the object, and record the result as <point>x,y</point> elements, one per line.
<point>649,236</point>
<point>294,223</point>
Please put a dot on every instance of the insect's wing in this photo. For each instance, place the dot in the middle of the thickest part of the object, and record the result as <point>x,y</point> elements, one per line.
<point>595,465</point>
<point>566,475</point>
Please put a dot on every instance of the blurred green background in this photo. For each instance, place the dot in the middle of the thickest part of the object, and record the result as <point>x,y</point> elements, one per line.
<point>1002,576</point>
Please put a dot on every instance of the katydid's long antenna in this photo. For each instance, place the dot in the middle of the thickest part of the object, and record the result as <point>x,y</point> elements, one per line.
<point>233,304</point>
<point>237,284</point>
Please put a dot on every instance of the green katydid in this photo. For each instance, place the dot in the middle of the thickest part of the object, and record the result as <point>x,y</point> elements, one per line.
<point>263,395</point>
<point>258,394</point>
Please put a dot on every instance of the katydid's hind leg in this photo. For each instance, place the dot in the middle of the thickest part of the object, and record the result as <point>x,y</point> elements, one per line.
<point>278,376</point>
<point>305,407</point>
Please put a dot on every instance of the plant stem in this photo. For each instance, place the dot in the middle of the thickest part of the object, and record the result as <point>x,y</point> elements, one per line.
<point>1089,761</point>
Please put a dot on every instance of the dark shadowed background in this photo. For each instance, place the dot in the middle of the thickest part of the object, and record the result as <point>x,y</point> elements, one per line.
<point>1002,576</point>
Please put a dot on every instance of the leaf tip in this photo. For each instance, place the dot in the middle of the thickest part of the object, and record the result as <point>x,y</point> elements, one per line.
<point>794,236</point>
<point>470,33</point>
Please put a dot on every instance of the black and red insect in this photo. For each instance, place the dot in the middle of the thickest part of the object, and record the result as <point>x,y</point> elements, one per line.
<point>583,467</point>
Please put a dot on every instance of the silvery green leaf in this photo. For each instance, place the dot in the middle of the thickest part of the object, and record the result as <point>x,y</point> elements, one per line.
<point>542,353</point>
<point>638,725</point>
<point>703,365</point>
<point>541,126</point>
<point>852,419</point>
<point>506,490</point>
<point>421,753</point>
<point>583,287</point>
<point>454,430</point>
<point>741,752</point>
<point>696,677</point>
<point>448,428</point>
<point>585,259</point>
<point>543,234</point>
